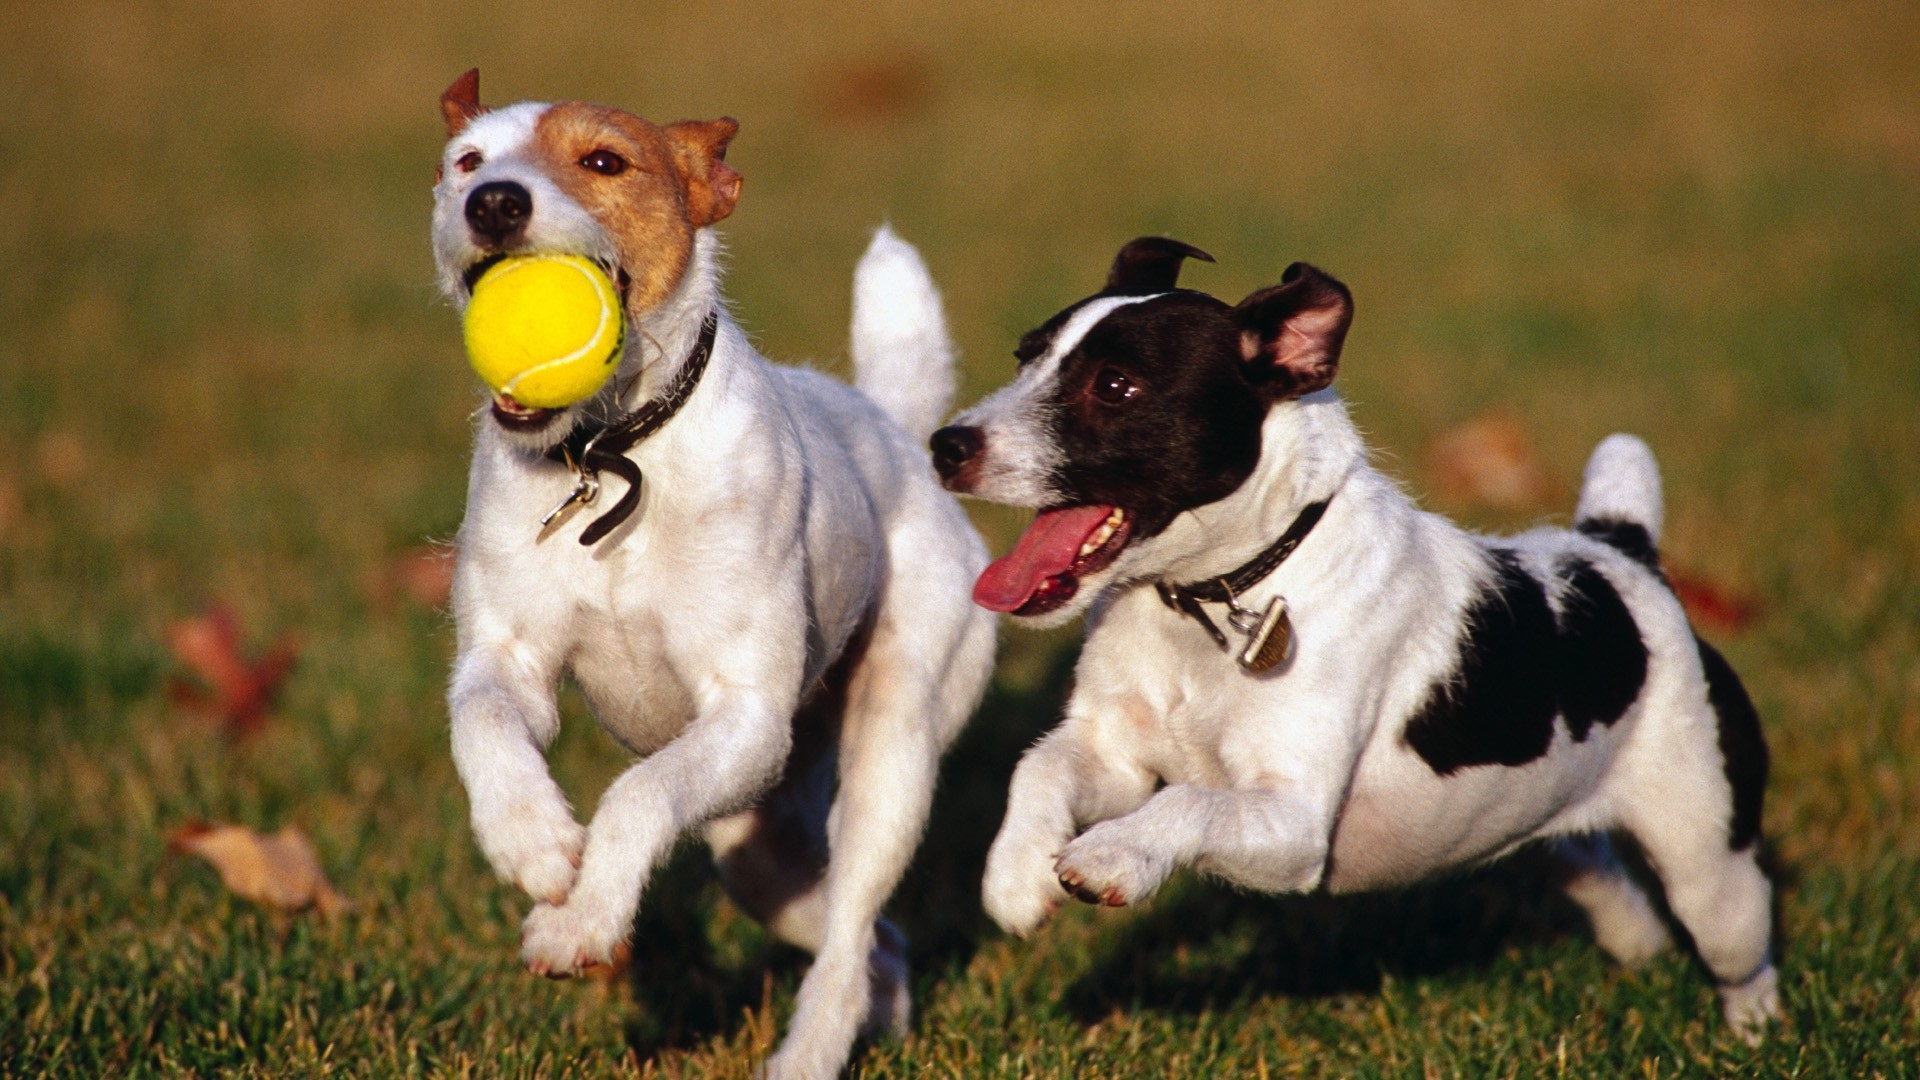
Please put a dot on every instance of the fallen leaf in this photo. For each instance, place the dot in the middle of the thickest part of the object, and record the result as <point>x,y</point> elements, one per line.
<point>62,458</point>
<point>1712,605</point>
<point>11,512</point>
<point>1489,460</point>
<point>873,89</point>
<point>422,574</point>
<point>237,690</point>
<point>281,871</point>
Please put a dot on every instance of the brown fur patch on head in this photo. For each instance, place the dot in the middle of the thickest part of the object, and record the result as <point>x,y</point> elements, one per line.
<point>670,183</point>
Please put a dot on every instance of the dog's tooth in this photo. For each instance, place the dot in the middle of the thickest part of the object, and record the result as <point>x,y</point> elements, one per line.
<point>1100,536</point>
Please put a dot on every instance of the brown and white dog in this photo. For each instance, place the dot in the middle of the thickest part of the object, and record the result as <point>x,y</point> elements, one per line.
<point>780,625</point>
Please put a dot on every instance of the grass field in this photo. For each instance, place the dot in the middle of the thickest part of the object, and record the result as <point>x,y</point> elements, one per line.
<point>225,376</point>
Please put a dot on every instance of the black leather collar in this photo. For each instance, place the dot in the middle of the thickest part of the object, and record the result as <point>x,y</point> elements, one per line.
<point>1186,599</point>
<point>590,448</point>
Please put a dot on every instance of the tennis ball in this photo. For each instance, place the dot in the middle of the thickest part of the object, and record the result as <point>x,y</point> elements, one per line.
<point>544,330</point>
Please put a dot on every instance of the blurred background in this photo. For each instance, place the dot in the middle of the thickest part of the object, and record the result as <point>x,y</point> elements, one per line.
<point>234,420</point>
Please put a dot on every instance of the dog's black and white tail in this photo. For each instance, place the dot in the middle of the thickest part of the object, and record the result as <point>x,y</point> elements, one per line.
<point>902,355</point>
<point>1620,500</point>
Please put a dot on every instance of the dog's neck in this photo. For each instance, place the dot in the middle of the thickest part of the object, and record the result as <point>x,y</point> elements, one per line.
<point>1309,450</point>
<point>660,340</point>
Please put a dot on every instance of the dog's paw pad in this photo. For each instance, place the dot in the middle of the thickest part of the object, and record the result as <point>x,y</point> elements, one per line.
<point>559,941</point>
<point>538,851</point>
<point>1021,891</point>
<point>1099,868</point>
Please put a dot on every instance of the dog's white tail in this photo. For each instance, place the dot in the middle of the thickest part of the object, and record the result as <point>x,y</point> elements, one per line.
<point>902,356</point>
<point>1622,487</point>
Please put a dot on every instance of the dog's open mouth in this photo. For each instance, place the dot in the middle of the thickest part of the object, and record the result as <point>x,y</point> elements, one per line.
<point>514,416</point>
<point>479,269</point>
<point>622,280</point>
<point>509,413</point>
<point>1045,567</point>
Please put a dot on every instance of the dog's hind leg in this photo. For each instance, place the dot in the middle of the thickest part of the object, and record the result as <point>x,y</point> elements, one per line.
<point>1702,836</point>
<point>1724,900</point>
<point>772,857</point>
<point>917,682</point>
<point>1624,921</point>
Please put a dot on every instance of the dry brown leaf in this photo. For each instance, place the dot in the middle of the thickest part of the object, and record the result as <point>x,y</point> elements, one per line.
<point>239,691</point>
<point>1712,605</point>
<point>422,574</point>
<point>281,871</point>
<point>1489,460</point>
<point>874,89</point>
<point>11,511</point>
<point>62,457</point>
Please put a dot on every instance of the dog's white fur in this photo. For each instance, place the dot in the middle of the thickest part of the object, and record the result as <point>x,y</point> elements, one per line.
<point>1171,757</point>
<point>784,516</point>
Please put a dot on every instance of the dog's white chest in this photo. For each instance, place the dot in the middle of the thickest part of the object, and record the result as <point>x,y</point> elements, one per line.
<point>1167,701</point>
<point>621,668</point>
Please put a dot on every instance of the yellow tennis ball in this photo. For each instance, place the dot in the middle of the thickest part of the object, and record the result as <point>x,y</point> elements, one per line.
<point>544,330</point>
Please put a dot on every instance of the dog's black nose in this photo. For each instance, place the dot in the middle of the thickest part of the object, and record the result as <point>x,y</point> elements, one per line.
<point>498,208</point>
<point>953,447</point>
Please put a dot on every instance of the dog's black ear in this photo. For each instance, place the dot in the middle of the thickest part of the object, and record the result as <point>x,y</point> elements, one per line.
<point>461,102</point>
<point>1290,335</point>
<point>700,146</point>
<point>1149,265</point>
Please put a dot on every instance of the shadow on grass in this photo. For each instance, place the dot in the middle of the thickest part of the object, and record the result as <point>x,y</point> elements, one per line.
<point>1200,946</point>
<point>1203,946</point>
<point>694,984</point>
<point>689,989</point>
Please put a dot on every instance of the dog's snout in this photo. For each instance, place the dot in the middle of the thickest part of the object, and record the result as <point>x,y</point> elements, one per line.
<point>953,447</point>
<point>497,209</point>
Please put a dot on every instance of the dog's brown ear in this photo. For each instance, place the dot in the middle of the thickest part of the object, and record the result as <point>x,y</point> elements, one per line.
<point>1150,264</point>
<point>713,187</point>
<point>461,103</point>
<point>1290,335</point>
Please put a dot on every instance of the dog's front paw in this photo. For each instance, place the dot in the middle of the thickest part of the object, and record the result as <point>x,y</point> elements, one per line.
<point>1021,890</point>
<point>534,845</point>
<point>563,940</point>
<point>1104,866</point>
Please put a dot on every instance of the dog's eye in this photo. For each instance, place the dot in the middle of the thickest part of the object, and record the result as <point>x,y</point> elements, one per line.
<point>468,162</point>
<point>1112,386</point>
<point>605,162</point>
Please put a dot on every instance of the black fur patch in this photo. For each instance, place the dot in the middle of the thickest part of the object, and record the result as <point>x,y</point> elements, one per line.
<point>1629,538</point>
<point>1188,436</point>
<point>1743,749</point>
<point>1520,667</point>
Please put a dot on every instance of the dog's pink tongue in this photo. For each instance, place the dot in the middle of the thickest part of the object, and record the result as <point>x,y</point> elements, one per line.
<point>1048,547</point>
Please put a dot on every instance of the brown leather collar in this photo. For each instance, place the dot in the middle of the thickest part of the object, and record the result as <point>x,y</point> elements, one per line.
<point>591,448</point>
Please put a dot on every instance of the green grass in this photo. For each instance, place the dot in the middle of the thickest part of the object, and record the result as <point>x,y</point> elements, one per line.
<point>224,374</point>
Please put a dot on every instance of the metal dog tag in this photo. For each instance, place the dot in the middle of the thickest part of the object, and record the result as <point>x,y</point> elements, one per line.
<point>583,493</point>
<point>1269,639</point>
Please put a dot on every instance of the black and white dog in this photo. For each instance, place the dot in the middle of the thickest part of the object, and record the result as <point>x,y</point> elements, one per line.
<point>1294,679</point>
